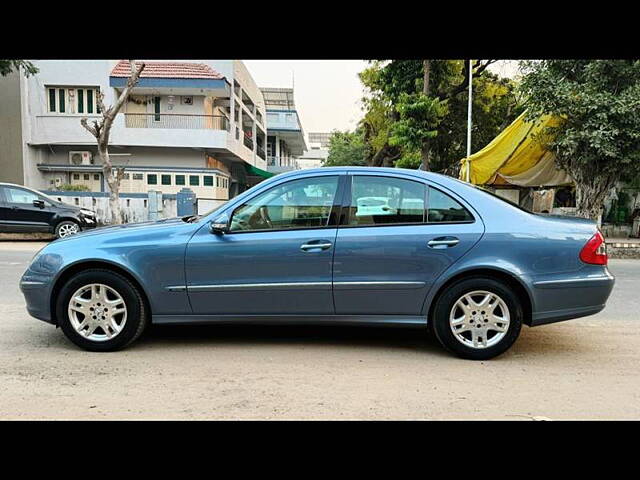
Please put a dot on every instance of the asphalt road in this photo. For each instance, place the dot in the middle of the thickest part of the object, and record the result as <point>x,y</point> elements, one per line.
<point>585,368</point>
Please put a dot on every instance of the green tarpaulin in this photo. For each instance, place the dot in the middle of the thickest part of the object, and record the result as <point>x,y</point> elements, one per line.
<point>255,171</point>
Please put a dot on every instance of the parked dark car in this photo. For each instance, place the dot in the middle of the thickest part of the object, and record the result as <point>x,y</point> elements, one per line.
<point>23,210</point>
<point>316,246</point>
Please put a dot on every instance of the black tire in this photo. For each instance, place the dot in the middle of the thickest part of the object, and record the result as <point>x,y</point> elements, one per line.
<point>137,316</point>
<point>446,301</point>
<point>65,223</point>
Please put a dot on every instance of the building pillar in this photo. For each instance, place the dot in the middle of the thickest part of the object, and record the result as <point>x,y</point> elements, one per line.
<point>277,150</point>
<point>232,108</point>
<point>254,138</point>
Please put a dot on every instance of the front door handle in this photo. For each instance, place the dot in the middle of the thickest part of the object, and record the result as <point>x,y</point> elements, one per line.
<point>316,245</point>
<point>443,242</point>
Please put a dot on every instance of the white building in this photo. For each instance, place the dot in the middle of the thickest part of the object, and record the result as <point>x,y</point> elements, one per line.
<point>318,150</point>
<point>285,136</point>
<point>199,124</point>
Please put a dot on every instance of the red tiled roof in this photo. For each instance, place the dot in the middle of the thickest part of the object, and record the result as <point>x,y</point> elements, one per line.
<point>168,70</point>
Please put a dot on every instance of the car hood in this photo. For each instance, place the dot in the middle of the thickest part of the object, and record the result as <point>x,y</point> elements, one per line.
<point>121,230</point>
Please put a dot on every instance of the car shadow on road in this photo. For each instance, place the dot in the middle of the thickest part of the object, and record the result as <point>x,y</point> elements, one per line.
<point>412,339</point>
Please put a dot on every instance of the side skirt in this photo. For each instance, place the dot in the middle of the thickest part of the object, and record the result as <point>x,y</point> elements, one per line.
<point>388,320</point>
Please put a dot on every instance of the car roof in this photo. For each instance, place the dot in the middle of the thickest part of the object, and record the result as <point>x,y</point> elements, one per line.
<point>443,180</point>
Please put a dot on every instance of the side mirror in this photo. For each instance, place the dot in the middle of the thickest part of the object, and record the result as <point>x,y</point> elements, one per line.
<point>220,225</point>
<point>38,203</point>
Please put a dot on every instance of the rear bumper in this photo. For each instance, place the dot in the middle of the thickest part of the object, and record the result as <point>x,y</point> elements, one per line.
<point>557,300</point>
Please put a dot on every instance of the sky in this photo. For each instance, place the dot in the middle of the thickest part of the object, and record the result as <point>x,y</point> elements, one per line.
<point>327,93</point>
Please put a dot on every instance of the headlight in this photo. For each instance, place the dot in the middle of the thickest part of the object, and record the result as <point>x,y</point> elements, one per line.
<point>45,263</point>
<point>87,213</point>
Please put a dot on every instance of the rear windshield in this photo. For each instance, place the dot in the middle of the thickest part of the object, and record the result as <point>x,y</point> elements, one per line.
<point>513,204</point>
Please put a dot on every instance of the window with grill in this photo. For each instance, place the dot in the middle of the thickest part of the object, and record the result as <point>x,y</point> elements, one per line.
<point>72,100</point>
<point>165,179</point>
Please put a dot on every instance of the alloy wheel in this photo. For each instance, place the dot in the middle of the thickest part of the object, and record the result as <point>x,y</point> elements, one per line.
<point>68,229</point>
<point>97,312</point>
<point>479,319</point>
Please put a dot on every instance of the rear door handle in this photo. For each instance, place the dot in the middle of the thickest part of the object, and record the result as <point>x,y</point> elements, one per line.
<point>316,245</point>
<point>443,242</point>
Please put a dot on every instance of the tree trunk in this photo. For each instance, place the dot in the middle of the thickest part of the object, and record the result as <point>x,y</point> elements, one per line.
<point>424,150</point>
<point>590,198</point>
<point>113,182</point>
<point>101,130</point>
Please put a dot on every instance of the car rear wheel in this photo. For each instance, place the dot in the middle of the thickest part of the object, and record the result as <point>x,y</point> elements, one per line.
<point>477,318</point>
<point>66,229</point>
<point>101,311</point>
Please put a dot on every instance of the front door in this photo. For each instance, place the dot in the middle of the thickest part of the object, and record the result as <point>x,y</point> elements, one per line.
<point>21,215</point>
<point>276,257</point>
<point>398,236</point>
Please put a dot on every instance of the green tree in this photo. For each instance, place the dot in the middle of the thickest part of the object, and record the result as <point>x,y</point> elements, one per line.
<point>598,140</point>
<point>402,123</point>
<point>495,105</point>
<point>7,66</point>
<point>346,149</point>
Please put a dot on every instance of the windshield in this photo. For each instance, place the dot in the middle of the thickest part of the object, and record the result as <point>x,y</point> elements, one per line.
<point>195,218</point>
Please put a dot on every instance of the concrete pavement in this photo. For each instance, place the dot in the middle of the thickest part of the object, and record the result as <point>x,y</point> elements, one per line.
<point>584,368</point>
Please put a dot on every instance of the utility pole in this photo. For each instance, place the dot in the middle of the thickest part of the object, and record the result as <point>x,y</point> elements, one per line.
<point>469,122</point>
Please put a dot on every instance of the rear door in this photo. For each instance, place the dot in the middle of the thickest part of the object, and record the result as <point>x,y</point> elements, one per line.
<point>396,236</point>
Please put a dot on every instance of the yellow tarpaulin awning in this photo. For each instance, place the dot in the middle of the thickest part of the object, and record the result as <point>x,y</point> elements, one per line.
<point>517,156</point>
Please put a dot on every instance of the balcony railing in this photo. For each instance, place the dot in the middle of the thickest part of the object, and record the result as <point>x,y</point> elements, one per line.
<point>248,142</point>
<point>280,161</point>
<point>176,120</point>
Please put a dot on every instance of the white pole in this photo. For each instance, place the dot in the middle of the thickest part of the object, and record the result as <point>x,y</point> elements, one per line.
<point>469,123</point>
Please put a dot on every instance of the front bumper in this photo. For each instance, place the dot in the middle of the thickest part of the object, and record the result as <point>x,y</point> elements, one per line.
<point>36,291</point>
<point>87,223</point>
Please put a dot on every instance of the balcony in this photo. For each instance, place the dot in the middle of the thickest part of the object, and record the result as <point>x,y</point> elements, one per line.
<point>248,142</point>
<point>175,120</point>
<point>281,164</point>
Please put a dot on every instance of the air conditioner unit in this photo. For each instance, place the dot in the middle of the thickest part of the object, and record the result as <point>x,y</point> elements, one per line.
<point>80,158</point>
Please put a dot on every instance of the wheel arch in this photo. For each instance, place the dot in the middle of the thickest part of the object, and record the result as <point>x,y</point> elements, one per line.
<point>501,275</point>
<point>78,267</point>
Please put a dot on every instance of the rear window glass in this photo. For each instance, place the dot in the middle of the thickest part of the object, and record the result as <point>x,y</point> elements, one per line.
<point>442,208</point>
<point>386,201</point>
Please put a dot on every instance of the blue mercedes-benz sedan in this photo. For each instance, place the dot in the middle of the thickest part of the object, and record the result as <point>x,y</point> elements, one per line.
<point>344,246</point>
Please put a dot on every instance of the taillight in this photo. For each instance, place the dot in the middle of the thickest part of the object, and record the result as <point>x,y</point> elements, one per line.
<point>595,250</point>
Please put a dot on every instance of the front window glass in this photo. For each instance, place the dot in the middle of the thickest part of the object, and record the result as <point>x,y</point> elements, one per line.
<point>17,195</point>
<point>386,200</point>
<point>304,203</point>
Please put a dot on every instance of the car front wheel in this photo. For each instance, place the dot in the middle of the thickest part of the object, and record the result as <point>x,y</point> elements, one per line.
<point>66,229</point>
<point>477,318</point>
<point>101,311</point>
